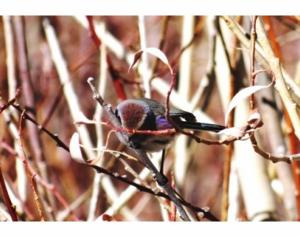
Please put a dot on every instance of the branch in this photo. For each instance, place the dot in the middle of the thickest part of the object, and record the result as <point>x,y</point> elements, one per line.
<point>6,198</point>
<point>142,188</point>
<point>54,137</point>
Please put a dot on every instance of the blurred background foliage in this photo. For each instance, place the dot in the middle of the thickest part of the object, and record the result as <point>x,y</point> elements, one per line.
<point>194,48</point>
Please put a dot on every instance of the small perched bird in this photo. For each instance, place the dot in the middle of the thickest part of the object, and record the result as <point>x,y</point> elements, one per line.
<point>148,114</point>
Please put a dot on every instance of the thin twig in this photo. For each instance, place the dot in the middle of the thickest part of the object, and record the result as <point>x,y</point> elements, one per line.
<point>229,150</point>
<point>36,195</point>
<point>33,176</point>
<point>182,156</point>
<point>27,88</point>
<point>283,172</point>
<point>54,137</point>
<point>10,54</point>
<point>12,91</point>
<point>252,59</point>
<point>268,60</point>
<point>93,32</point>
<point>65,80</point>
<point>144,64</point>
<point>98,116</point>
<point>6,198</point>
<point>53,106</point>
<point>162,41</point>
<point>142,188</point>
<point>36,177</point>
<point>10,102</point>
<point>28,96</point>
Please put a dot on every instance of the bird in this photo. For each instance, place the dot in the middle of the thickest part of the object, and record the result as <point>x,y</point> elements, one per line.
<point>149,114</point>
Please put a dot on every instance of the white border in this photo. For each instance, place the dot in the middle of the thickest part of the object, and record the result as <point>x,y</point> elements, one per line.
<point>148,229</point>
<point>149,7</point>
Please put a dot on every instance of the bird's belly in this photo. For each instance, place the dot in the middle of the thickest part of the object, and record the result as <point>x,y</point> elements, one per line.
<point>151,143</point>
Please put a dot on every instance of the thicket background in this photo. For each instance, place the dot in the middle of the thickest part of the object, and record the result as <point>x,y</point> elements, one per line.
<point>49,59</point>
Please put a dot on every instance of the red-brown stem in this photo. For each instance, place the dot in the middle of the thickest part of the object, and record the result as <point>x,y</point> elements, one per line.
<point>229,151</point>
<point>291,136</point>
<point>166,20</point>
<point>9,103</point>
<point>6,198</point>
<point>36,177</point>
<point>167,114</point>
<point>296,170</point>
<point>54,137</point>
<point>28,96</point>
<point>252,59</point>
<point>92,31</point>
<point>27,88</point>
<point>120,91</point>
<point>33,176</point>
<point>172,213</point>
<point>197,31</point>
<point>53,106</point>
<point>27,91</point>
<point>36,197</point>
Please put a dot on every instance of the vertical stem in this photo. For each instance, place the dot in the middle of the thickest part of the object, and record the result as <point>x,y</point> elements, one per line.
<point>69,93</point>
<point>186,57</point>
<point>28,93</point>
<point>12,86</point>
<point>163,183</point>
<point>144,65</point>
<point>252,59</point>
<point>293,141</point>
<point>165,23</point>
<point>231,90</point>
<point>27,88</point>
<point>10,53</point>
<point>182,156</point>
<point>99,131</point>
<point>6,198</point>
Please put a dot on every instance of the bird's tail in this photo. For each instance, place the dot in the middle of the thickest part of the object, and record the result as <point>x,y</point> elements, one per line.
<point>201,126</point>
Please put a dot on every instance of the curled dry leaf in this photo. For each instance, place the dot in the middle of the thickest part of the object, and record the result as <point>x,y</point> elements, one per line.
<point>75,150</point>
<point>82,119</point>
<point>137,56</point>
<point>238,133</point>
<point>153,51</point>
<point>241,95</point>
<point>254,116</point>
<point>255,120</point>
<point>234,133</point>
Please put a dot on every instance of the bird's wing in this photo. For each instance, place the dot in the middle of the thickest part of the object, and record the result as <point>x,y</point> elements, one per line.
<point>181,115</point>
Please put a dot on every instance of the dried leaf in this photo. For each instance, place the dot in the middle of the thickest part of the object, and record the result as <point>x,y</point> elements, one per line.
<point>75,150</point>
<point>233,133</point>
<point>255,120</point>
<point>241,95</point>
<point>155,52</point>
<point>254,116</point>
<point>82,119</point>
<point>137,56</point>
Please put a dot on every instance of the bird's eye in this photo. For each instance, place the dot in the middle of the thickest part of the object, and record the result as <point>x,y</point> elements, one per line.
<point>117,115</point>
<point>182,119</point>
